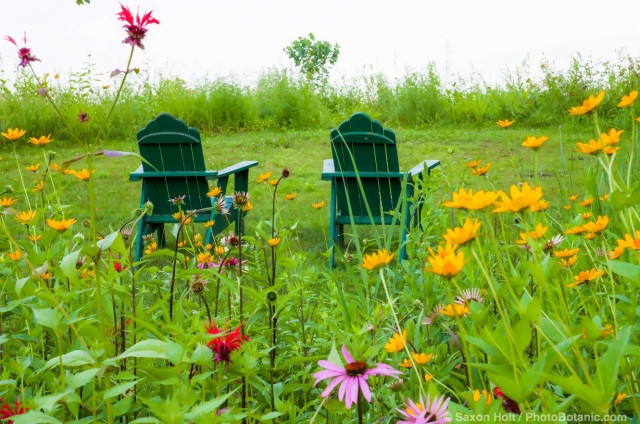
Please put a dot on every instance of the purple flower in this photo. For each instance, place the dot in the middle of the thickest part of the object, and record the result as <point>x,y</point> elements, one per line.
<point>352,378</point>
<point>136,29</point>
<point>24,53</point>
<point>205,265</point>
<point>83,117</point>
<point>434,412</point>
<point>468,295</point>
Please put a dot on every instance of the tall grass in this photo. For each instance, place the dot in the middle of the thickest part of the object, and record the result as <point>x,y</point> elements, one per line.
<point>280,100</point>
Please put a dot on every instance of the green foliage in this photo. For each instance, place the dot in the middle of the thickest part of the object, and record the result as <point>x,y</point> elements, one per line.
<point>313,57</point>
<point>278,100</point>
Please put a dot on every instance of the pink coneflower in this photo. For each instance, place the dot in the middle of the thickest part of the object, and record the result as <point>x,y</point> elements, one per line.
<point>231,262</point>
<point>136,30</point>
<point>352,378</point>
<point>24,53</point>
<point>240,198</point>
<point>231,240</point>
<point>178,200</point>
<point>224,343</point>
<point>428,320</point>
<point>221,207</point>
<point>468,295</point>
<point>435,412</point>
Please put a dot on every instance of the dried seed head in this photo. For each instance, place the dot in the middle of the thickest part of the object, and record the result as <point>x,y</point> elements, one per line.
<point>198,284</point>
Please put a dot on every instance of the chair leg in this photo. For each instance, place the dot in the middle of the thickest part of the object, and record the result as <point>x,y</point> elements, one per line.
<point>332,225</point>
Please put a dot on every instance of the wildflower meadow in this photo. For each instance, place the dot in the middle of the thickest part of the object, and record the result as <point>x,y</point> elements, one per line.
<point>516,299</point>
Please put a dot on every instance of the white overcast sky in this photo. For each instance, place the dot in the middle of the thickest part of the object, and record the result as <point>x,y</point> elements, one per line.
<point>241,38</point>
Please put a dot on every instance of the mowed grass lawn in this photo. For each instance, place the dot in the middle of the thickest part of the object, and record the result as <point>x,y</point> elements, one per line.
<point>303,152</point>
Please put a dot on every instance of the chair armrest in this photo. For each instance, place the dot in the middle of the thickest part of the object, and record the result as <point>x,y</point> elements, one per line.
<point>139,174</point>
<point>136,175</point>
<point>425,164</point>
<point>328,169</point>
<point>240,166</point>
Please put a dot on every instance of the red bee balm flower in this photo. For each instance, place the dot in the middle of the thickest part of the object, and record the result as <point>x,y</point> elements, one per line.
<point>24,52</point>
<point>6,411</point>
<point>223,345</point>
<point>136,29</point>
<point>508,404</point>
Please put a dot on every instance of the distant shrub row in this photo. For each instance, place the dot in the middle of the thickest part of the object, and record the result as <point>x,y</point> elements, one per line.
<point>281,101</point>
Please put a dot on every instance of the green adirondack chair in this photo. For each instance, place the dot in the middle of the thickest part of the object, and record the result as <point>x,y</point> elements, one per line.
<point>175,167</point>
<point>363,149</point>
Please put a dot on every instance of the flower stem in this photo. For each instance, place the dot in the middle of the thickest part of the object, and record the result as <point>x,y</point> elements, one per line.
<point>535,168</point>
<point>404,342</point>
<point>94,239</point>
<point>113,105</point>
<point>24,188</point>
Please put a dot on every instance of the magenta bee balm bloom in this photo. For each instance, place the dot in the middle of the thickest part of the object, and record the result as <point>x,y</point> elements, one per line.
<point>352,378</point>
<point>24,52</point>
<point>136,29</point>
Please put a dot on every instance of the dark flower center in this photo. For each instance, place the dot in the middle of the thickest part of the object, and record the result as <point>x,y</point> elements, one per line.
<point>356,368</point>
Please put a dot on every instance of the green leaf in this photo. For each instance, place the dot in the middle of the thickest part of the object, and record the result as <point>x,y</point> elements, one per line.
<point>122,406</point>
<point>522,334</point>
<point>208,406</point>
<point>146,420</point>
<point>14,304</point>
<point>146,349</point>
<point>506,383</point>
<point>78,380</point>
<point>114,241</point>
<point>120,389</point>
<point>608,365</point>
<point>68,264</point>
<point>20,284</point>
<point>47,317</point>
<point>626,270</point>
<point>532,376</point>
<point>483,345</point>
<point>34,417</point>
<point>201,355</point>
<point>593,399</point>
<point>621,200</point>
<point>76,358</point>
<point>334,357</point>
<point>48,403</point>
<point>271,415</point>
<point>174,352</point>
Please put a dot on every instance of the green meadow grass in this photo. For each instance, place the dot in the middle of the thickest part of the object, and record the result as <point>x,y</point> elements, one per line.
<point>303,152</point>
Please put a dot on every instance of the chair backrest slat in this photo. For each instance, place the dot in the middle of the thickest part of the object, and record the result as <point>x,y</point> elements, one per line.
<point>168,144</point>
<point>363,144</point>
